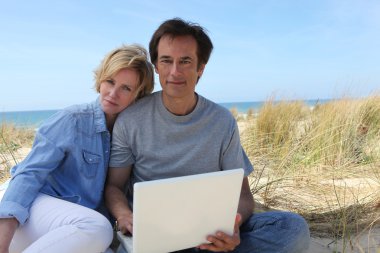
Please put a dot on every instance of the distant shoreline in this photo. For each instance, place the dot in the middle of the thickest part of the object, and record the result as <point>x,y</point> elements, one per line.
<point>34,118</point>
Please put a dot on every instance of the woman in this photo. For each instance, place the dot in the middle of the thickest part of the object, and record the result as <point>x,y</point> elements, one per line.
<point>48,206</point>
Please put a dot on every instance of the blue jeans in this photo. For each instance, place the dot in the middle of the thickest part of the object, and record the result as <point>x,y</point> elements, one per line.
<point>270,232</point>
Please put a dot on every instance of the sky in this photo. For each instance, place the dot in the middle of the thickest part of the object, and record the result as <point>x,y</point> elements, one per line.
<point>287,49</point>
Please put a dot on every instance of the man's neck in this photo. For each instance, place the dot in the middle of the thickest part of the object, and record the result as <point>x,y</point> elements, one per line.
<point>180,106</point>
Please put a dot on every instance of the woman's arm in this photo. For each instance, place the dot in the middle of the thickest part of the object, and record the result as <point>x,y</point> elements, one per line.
<point>8,227</point>
<point>30,175</point>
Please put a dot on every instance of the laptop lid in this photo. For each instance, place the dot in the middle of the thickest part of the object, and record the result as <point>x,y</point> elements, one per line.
<point>179,213</point>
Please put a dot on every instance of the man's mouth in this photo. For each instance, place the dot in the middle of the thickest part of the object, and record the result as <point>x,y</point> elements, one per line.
<point>176,82</point>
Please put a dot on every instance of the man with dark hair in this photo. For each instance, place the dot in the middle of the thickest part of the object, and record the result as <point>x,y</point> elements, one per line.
<point>177,132</point>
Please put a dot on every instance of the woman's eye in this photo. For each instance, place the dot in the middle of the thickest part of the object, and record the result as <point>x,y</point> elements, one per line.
<point>110,81</point>
<point>126,88</point>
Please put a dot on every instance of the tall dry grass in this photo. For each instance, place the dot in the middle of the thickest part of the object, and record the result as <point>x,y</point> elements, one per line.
<point>12,138</point>
<point>322,162</point>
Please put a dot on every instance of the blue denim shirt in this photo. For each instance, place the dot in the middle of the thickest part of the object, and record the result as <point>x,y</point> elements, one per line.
<point>68,160</point>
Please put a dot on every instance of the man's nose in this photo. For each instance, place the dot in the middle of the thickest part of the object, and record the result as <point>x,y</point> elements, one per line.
<point>175,69</point>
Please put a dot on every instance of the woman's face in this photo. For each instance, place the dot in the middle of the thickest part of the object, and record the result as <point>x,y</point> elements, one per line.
<point>119,91</point>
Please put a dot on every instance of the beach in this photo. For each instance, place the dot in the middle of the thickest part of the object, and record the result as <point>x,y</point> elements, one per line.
<point>339,198</point>
<point>368,241</point>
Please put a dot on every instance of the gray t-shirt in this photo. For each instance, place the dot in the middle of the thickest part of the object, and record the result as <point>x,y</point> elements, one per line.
<point>160,144</point>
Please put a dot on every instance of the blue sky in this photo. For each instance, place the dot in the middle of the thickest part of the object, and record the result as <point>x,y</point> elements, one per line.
<point>287,48</point>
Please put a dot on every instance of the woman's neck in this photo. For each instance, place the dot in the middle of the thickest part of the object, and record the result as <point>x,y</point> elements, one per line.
<point>110,121</point>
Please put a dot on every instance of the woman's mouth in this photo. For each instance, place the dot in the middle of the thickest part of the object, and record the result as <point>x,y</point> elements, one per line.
<point>110,102</point>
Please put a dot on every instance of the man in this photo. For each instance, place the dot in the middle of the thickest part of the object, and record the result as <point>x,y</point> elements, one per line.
<point>177,132</point>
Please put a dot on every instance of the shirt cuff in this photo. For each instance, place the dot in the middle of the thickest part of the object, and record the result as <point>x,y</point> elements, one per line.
<point>10,209</point>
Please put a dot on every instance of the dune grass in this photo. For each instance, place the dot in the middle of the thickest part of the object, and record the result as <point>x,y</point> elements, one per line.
<point>12,138</point>
<point>322,162</point>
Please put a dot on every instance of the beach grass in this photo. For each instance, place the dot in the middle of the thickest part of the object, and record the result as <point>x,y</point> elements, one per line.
<point>12,139</point>
<point>321,162</point>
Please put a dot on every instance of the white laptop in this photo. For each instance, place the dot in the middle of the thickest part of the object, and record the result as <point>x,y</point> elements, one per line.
<point>178,213</point>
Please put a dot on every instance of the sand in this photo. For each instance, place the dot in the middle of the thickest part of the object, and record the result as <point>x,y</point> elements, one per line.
<point>368,241</point>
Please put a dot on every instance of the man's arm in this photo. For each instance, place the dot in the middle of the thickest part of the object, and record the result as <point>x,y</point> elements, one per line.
<point>116,200</point>
<point>246,203</point>
<point>222,242</point>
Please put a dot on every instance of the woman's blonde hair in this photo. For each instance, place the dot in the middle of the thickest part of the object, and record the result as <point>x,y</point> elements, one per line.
<point>127,56</point>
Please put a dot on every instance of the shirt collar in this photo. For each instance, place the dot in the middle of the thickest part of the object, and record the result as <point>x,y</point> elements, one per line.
<point>99,117</point>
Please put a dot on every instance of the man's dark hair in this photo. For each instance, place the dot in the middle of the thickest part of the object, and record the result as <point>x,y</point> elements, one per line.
<point>178,27</point>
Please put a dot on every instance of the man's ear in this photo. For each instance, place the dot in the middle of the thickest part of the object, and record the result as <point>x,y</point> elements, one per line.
<point>155,69</point>
<point>201,69</point>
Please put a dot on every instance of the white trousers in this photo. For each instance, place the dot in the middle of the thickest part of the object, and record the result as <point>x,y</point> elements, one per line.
<point>60,226</point>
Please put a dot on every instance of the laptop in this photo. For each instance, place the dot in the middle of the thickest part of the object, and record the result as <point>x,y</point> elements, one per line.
<point>178,213</point>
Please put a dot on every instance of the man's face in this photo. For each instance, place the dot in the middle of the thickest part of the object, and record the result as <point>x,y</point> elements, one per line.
<point>177,66</point>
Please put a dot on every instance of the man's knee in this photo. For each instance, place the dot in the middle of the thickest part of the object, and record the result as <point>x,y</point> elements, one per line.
<point>285,230</point>
<point>300,228</point>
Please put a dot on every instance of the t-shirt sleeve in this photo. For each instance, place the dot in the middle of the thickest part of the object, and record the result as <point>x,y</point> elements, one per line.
<point>234,155</point>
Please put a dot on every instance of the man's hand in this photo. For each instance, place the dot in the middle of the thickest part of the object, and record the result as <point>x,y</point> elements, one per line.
<point>222,242</point>
<point>125,223</point>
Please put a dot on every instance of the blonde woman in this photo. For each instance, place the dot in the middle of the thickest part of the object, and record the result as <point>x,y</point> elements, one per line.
<point>51,201</point>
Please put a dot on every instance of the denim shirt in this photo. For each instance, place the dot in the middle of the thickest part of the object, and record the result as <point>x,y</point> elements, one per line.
<point>68,160</point>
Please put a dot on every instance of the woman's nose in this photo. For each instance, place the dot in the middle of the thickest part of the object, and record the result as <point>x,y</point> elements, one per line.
<point>113,92</point>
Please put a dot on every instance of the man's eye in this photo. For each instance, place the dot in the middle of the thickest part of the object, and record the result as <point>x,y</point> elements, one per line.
<point>110,81</point>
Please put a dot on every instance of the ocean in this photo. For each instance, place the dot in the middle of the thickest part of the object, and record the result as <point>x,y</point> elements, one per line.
<point>26,118</point>
<point>35,118</point>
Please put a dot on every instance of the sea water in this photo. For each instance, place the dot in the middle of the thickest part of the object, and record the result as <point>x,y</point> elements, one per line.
<point>26,118</point>
<point>35,118</point>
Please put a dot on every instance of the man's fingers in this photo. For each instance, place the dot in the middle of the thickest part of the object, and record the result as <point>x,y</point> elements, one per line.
<point>217,242</point>
<point>123,229</point>
<point>223,242</point>
<point>237,223</point>
<point>130,228</point>
<point>220,242</point>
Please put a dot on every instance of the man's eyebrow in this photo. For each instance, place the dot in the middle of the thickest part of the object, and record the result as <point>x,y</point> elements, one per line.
<point>186,58</point>
<point>165,57</point>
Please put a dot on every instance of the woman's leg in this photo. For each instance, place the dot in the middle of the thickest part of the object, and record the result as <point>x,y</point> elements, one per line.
<point>60,226</point>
